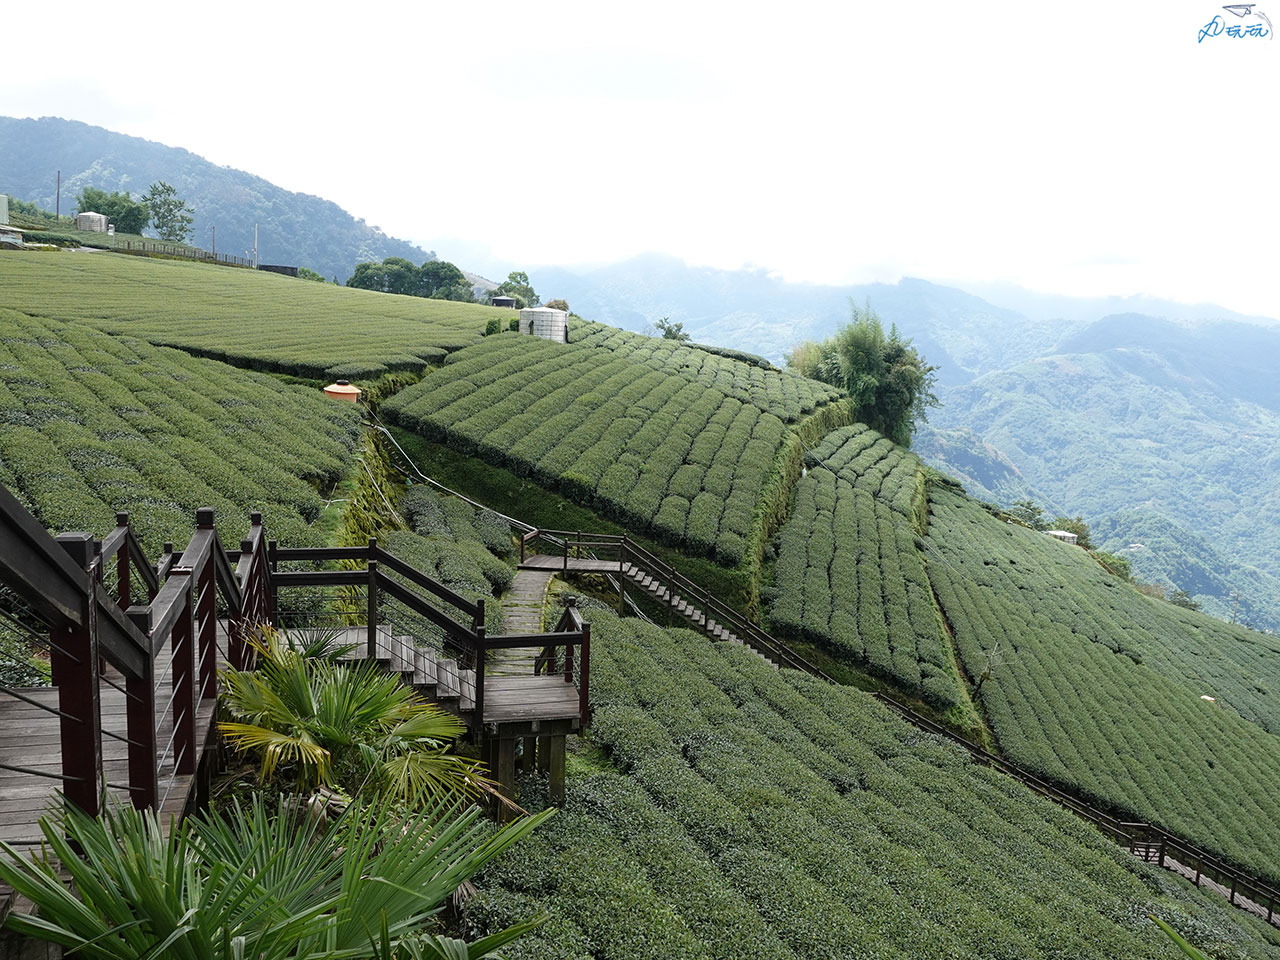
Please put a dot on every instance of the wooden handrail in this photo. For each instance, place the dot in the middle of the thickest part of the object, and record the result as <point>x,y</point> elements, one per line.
<point>413,574</point>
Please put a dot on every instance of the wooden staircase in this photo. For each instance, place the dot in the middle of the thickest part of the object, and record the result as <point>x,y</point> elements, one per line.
<point>436,676</point>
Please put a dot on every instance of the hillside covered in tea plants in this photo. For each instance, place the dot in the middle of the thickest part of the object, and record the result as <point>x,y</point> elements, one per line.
<point>91,424</point>
<point>726,809</point>
<point>723,796</point>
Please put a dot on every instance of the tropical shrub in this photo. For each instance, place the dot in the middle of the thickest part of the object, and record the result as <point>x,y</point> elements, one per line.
<point>352,725</point>
<point>256,882</point>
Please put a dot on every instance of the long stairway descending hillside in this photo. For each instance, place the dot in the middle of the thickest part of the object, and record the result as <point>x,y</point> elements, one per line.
<point>665,585</point>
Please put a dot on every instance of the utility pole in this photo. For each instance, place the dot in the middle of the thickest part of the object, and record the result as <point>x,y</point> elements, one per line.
<point>57,204</point>
<point>255,246</point>
<point>214,243</point>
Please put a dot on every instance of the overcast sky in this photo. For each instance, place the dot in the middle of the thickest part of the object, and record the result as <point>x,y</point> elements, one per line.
<point>1073,148</point>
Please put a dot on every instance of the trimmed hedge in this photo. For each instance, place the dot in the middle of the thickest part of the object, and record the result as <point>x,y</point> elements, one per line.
<point>91,424</point>
<point>750,812</point>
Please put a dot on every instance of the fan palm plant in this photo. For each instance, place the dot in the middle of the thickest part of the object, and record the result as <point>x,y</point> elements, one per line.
<point>344,724</point>
<point>257,883</point>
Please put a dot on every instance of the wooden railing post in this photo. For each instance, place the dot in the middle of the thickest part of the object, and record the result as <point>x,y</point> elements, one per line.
<point>584,676</point>
<point>568,650</point>
<point>183,644</point>
<point>273,593</point>
<point>123,593</point>
<point>206,614</point>
<point>372,598</point>
<point>140,723</point>
<point>73,661</point>
<point>482,656</point>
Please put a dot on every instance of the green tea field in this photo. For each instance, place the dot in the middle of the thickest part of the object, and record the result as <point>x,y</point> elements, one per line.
<point>94,423</point>
<point>849,576</point>
<point>735,811</point>
<point>1134,702</point>
<point>250,319</point>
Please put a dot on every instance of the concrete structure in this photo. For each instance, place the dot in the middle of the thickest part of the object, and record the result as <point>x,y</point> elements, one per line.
<point>1063,535</point>
<point>10,236</point>
<point>4,209</point>
<point>546,323</point>
<point>92,222</point>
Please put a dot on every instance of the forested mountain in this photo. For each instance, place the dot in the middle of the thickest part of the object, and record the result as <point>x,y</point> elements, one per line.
<point>293,228</point>
<point>1089,411</point>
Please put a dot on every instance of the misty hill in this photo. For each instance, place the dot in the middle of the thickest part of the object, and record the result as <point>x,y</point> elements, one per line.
<point>1163,552</point>
<point>755,311</point>
<point>293,228</point>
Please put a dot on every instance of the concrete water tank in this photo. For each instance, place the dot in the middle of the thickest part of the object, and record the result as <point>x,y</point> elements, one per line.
<point>92,222</point>
<point>546,323</point>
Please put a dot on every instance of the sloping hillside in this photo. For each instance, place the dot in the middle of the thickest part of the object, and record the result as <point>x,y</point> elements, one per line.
<point>91,424</point>
<point>1094,685</point>
<point>698,449</point>
<point>257,320</point>
<point>741,811</point>
<point>293,228</point>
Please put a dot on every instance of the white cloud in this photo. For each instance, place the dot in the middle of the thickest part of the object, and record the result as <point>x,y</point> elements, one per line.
<point>1091,148</point>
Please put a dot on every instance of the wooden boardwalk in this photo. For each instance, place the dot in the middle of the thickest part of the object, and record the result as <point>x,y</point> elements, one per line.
<point>523,609</point>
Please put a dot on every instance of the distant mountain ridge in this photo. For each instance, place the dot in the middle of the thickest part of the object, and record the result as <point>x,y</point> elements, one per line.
<point>1173,411</point>
<point>293,228</point>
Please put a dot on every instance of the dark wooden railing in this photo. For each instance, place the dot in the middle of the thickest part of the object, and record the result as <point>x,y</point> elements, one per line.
<point>467,642</point>
<point>100,637</point>
<point>1139,838</point>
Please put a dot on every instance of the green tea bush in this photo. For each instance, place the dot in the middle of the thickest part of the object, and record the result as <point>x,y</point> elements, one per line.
<point>1096,686</point>
<point>91,424</point>
<point>640,431</point>
<point>251,319</point>
<point>849,576</point>
<point>745,811</point>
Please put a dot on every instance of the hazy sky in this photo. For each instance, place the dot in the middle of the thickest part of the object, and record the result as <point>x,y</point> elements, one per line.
<point>1075,148</point>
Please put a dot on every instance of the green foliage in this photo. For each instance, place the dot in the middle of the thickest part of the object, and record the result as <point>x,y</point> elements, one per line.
<point>250,319</point>
<point>494,325</point>
<point>305,273</point>
<point>1028,512</point>
<point>252,882</point>
<point>353,725</point>
<point>670,330</point>
<point>128,215</point>
<point>669,440</point>
<point>92,424</point>
<point>1118,565</point>
<point>890,383</point>
<point>750,812</point>
<point>849,576</point>
<point>1100,688</point>
<point>170,214</point>
<point>516,285</point>
<point>558,305</point>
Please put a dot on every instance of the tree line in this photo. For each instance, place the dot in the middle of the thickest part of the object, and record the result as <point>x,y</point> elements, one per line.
<point>160,207</point>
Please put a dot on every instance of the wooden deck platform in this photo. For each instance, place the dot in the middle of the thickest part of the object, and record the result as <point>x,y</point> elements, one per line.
<point>30,737</point>
<point>509,696</point>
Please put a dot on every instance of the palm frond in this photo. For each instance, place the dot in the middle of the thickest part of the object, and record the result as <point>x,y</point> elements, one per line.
<point>280,747</point>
